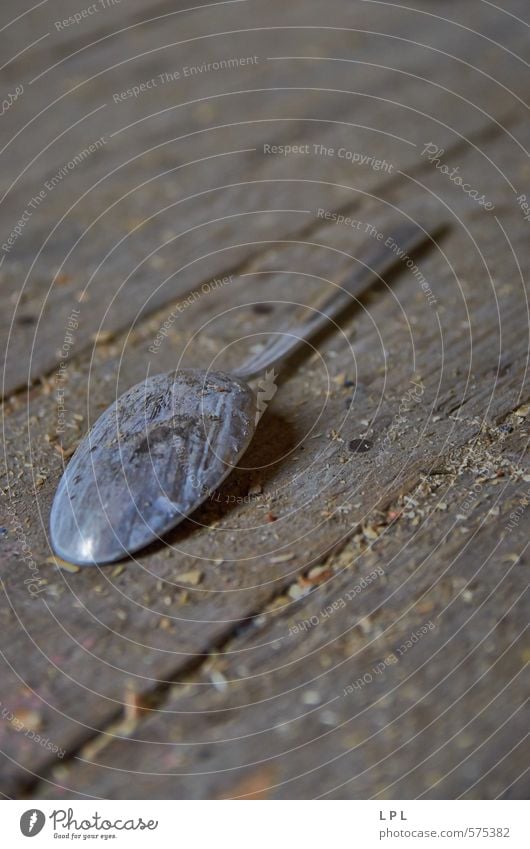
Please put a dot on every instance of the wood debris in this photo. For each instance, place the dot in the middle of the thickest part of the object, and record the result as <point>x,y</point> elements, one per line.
<point>194,577</point>
<point>63,564</point>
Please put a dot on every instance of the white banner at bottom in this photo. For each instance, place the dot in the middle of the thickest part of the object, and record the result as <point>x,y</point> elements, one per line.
<point>277,824</point>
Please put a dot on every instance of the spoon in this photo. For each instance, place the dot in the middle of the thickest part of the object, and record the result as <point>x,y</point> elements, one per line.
<point>167,443</point>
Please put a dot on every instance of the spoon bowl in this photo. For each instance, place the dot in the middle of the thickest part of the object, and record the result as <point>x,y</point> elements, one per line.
<point>151,459</point>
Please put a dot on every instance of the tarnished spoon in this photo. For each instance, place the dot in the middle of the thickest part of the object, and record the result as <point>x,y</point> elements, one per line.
<point>167,443</point>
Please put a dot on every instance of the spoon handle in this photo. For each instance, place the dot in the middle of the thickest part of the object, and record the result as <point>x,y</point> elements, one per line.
<point>372,265</point>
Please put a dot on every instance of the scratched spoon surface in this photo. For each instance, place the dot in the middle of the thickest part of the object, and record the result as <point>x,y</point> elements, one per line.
<point>149,461</point>
<point>158,452</point>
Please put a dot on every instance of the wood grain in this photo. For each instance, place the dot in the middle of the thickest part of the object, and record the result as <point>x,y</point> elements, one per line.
<point>397,444</point>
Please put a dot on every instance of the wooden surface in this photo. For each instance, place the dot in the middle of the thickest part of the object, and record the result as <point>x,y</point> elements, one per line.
<point>248,656</point>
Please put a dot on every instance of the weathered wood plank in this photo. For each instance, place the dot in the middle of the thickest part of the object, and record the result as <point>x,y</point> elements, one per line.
<point>303,698</point>
<point>136,243</point>
<point>192,548</point>
<point>92,639</point>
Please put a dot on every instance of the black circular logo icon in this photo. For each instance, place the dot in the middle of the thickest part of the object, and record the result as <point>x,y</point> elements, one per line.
<point>32,822</point>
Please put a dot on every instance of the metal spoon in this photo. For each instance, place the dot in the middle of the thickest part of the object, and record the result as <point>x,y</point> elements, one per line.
<point>157,453</point>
